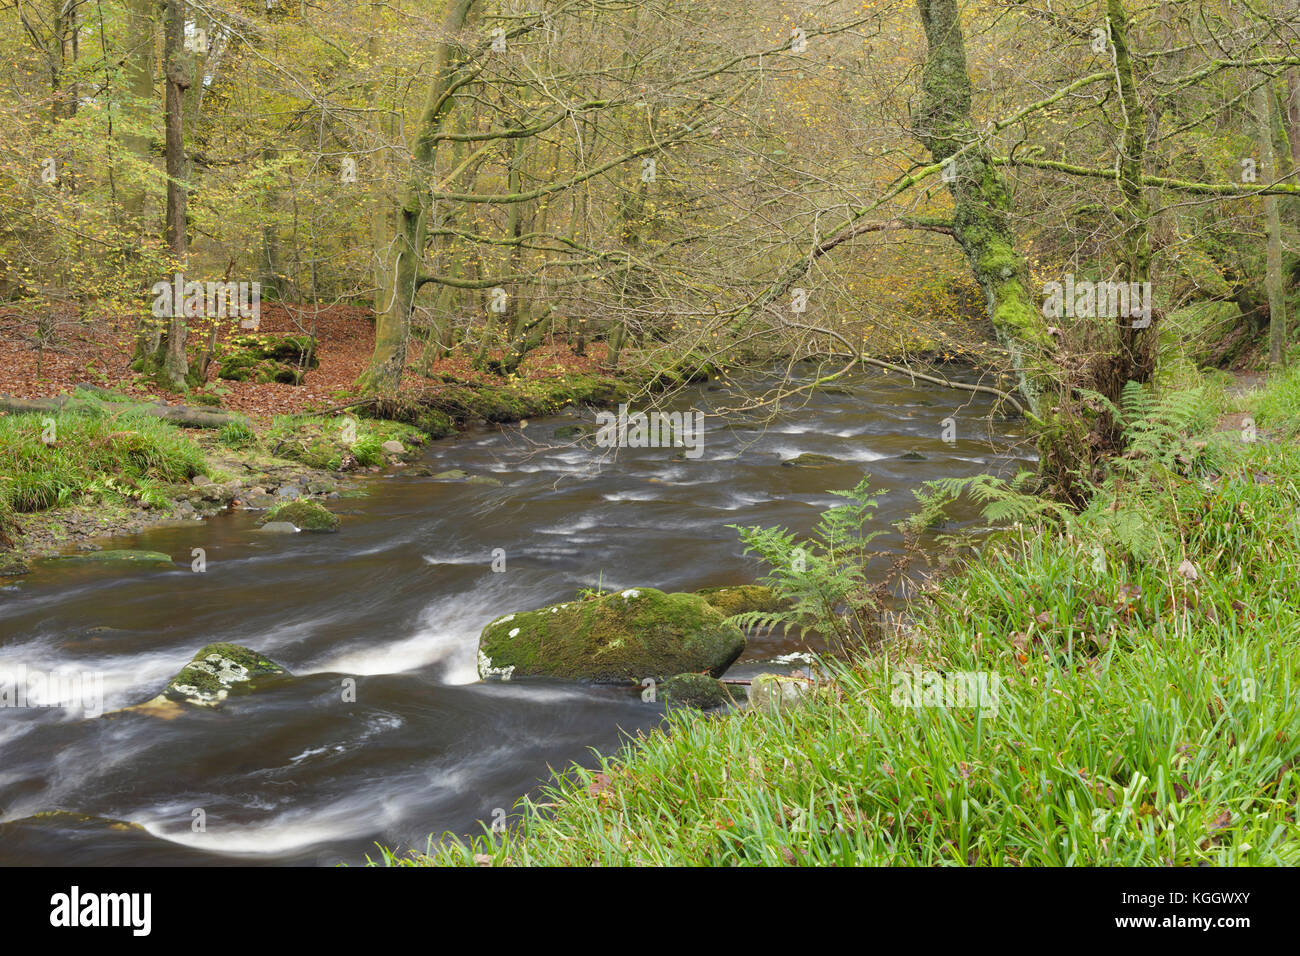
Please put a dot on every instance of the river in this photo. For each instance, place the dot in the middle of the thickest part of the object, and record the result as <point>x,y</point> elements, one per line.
<point>296,774</point>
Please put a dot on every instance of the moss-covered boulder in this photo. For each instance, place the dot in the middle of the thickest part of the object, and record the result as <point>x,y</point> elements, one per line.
<point>267,358</point>
<point>215,672</point>
<point>695,690</point>
<point>742,598</point>
<point>303,514</point>
<point>628,635</point>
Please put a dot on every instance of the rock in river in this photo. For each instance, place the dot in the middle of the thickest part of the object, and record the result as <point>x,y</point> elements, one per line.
<point>303,514</point>
<point>123,557</point>
<point>214,672</point>
<point>742,598</point>
<point>695,690</point>
<point>811,460</point>
<point>625,636</point>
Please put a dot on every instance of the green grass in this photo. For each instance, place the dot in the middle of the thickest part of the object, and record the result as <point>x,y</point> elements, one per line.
<point>1276,406</point>
<point>90,458</point>
<point>237,435</point>
<point>1148,708</point>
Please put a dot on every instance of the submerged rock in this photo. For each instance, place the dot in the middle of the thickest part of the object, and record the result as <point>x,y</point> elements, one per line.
<point>566,432</point>
<point>214,672</point>
<point>278,527</point>
<point>742,598</point>
<point>810,460</point>
<point>120,556</point>
<point>696,690</point>
<point>629,635</point>
<point>454,474</point>
<point>303,514</point>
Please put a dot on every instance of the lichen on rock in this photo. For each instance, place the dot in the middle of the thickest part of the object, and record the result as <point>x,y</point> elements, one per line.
<point>215,671</point>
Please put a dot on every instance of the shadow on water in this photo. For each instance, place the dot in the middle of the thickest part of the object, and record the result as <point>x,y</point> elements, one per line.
<point>299,774</point>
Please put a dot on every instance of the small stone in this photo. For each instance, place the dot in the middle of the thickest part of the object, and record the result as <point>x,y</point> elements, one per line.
<point>392,447</point>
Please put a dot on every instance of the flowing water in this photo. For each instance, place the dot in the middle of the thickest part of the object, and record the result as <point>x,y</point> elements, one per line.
<point>293,773</point>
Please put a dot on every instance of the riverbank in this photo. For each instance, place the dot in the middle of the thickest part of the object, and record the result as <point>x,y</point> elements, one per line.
<point>1115,687</point>
<point>105,464</point>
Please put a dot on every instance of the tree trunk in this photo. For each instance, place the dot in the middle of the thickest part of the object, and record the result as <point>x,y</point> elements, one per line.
<point>402,259</point>
<point>381,213</point>
<point>139,68</point>
<point>981,204</point>
<point>272,270</point>
<point>173,366</point>
<point>1273,281</point>
<point>1136,358</point>
<point>1293,129</point>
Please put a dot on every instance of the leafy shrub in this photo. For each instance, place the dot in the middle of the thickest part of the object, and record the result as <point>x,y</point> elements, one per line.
<point>823,579</point>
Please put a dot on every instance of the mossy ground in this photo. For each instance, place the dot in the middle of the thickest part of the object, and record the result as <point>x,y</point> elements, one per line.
<point>330,442</point>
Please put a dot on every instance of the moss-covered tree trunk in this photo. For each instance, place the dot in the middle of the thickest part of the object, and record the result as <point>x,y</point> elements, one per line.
<point>171,364</point>
<point>404,252</point>
<point>1292,117</point>
<point>1136,357</point>
<point>981,204</point>
<point>1273,281</point>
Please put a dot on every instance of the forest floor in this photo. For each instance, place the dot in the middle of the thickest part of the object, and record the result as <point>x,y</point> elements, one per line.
<point>99,352</point>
